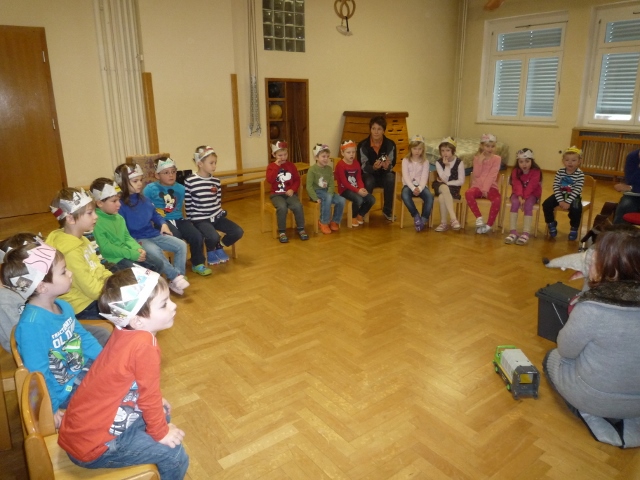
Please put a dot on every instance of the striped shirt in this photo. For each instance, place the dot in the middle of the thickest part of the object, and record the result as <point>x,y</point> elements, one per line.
<point>567,187</point>
<point>203,197</point>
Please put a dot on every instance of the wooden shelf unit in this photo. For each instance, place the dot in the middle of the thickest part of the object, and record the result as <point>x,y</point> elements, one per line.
<point>356,128</point>
<point>292,125</point>
<point>604,152</point>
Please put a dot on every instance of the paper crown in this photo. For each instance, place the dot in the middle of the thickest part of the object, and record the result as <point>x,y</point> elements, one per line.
<point>203,153</point>
<point>108,190</point>
<point>38,262</point>
<point>574,149</point>
<point>164,164</point>
<point>487,137</point>
<point>347,144</point>
<point>133,297</point>
<point>450,140</point>
<point>278,146</point>
<point>134,171</point>
<point>79,199</point>
<point>524,153</point>
<point>320,147</point>
<point>417,138</point>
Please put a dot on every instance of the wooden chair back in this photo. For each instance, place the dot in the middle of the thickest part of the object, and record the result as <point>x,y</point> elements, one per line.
<point>21,371</point>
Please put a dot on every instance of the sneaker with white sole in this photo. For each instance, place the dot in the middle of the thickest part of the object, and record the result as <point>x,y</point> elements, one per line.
<point>179,284</point>
<point>212,258</point>
<point>479,222</point>
<point>483,229</point>
<point>442,227</point>
<point>455,224</point>
<point>222,255</point>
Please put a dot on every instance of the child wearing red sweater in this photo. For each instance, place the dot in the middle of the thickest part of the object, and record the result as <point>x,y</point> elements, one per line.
<point>118,417</point>
<point>348,175</point>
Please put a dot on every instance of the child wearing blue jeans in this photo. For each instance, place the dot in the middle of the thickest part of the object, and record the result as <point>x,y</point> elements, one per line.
<point>149,228</point>
<point>118,416</point>
<point>203,202</point>
<point>321,189</point>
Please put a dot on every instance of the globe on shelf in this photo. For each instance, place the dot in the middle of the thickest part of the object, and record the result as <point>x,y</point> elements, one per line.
<point>275,111</point>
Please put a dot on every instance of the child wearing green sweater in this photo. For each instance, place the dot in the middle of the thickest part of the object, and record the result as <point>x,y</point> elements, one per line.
<point>321,188</point>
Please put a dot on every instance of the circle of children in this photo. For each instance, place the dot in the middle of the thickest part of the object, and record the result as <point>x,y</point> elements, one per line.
<point>98,409</point>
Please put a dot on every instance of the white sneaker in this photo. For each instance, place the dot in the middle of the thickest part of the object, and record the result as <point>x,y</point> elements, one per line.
<point>179,284</point>
<point>483,229</point>
<point>479,222</point>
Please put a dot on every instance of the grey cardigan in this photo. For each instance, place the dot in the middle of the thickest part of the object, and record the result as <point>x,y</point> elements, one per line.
<point>596,366</point>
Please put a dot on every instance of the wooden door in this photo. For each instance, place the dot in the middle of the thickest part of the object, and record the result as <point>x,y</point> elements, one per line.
<point>30,149</point>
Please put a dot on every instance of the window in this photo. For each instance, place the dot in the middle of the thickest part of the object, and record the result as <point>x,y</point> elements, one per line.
<point>521,69</point>
<point>283,25</point>
<point>614,86</point>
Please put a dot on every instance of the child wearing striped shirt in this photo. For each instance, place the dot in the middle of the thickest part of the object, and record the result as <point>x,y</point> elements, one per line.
<point>203,203</point>
<point>567,189</point>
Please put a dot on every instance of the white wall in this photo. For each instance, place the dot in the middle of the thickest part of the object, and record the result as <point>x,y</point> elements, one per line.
<point>546,142</point>
<point>71,42</point>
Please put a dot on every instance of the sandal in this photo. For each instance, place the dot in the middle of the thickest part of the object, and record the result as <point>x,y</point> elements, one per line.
<point>442,227</point>
<point>455,224</point>
<point>522,239</point>
<point>283,238</point>
<point>509,239</point>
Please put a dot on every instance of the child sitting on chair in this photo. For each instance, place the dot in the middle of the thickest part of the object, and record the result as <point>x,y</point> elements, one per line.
<point>75,211</point>
<point>486,166</point>
<point>118,416</point>
<point>446,187</point>
<point>285,181</point>
<point>567,189</point>
<point>203,202</point>
<point>168,197</point>
<point>321,189</point>
<point>50,340</point>
<point>350,185</point>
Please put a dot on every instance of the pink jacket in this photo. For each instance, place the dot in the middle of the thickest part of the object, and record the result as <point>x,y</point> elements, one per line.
<point>485,172</point>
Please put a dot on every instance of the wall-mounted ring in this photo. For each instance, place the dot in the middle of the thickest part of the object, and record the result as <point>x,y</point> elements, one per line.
<point>346,8</point>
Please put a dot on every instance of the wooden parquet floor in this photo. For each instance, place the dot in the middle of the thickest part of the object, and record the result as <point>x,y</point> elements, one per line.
<point>367,354</point>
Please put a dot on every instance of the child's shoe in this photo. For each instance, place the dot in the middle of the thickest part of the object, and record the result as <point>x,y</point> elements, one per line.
<point>418,223</point>
<point>442,227</point>
<point>303,234</point>
<point>178,284</point>
<point>523,239</point>
<point>553,229</point>
<point>201,270</point>
<point>221,254</point>
<point>483,229</point>
<point>479,222</point>
<point>509,239</point>
<point>360,219</point>
<point>455,224</point>
<point>282,237</point>
<point>334,226</point>
<point>355,222</point>
<point>324,228</point>
<point>573,234</point>
<point>212,258</point>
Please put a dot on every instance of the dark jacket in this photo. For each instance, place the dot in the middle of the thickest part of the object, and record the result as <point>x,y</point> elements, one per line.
<point>367,156</point>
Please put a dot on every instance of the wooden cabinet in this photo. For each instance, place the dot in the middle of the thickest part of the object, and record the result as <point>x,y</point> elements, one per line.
<point>604,152</point>
<point>356,128</point>
<point>288,115</point>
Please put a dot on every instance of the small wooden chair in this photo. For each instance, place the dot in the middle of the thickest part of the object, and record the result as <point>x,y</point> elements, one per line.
<point>587,205</point>
<point>485,201</point>
<point>45,458</point>
<point>506,206</point>
<point>21,371</point>
<point>266,207</point>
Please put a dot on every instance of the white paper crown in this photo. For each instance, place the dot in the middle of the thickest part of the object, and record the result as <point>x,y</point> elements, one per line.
<point>164,164</point>
<point>108,190</point>
<point>133,297</point>
<point>134,171</point>
<point>38,262</point>
<point>347,144</point>
<point>450,140</point>
<point>524,154</point>
<point>487,137</point>
<point>320,147</point>
<point>79,200</point>
<point>203,153</point>
<point>417,138</point>
<point>278,146</point>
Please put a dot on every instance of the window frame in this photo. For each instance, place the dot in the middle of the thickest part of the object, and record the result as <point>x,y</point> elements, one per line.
<point>598,49</point>
<point>491,56</point>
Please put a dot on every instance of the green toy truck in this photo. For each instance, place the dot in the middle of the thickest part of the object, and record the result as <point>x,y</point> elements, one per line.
<point>520,375</point>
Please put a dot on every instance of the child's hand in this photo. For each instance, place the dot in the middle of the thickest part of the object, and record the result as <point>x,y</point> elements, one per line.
<point>318,201</point>
<point>164,229</point>
<point>166,405</point>
<point>173,438</point>
<point>363,192</point>
<point>564,205</point>
<point>485,194</point>
<point>143,255</point>
<point>416,192</point>
<point>57,418</point>
<point>289,192</point>
<point>521,199</point>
